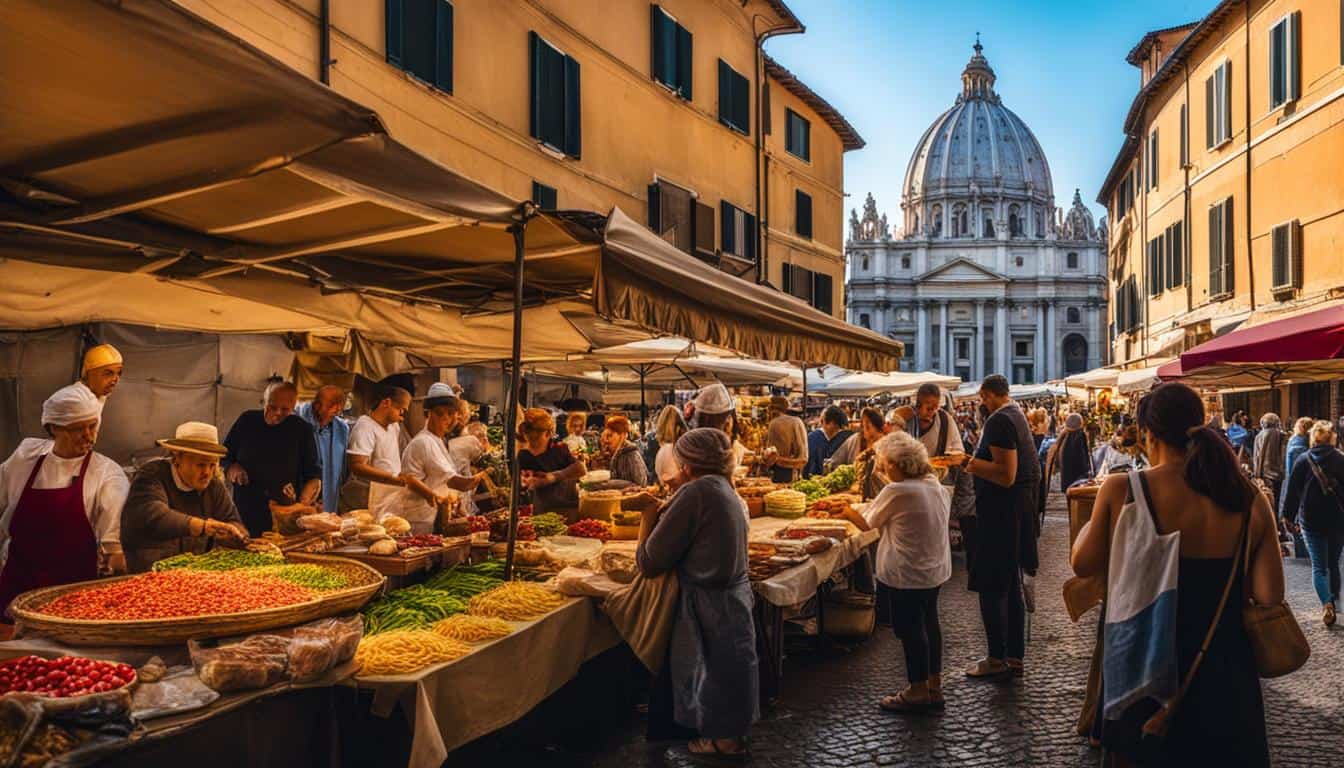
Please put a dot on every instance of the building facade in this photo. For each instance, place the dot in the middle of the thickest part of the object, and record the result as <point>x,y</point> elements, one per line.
<point>670,111</point>
<point>985,274</point>
<point>1226,201</point>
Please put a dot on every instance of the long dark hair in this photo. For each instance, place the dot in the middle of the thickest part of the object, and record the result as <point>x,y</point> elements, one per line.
<point>1174,414</point>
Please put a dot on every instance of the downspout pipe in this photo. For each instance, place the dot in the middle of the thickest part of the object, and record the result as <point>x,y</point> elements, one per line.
<point>324,42</point>
<point>1250,256</point>
<point>762,259</point>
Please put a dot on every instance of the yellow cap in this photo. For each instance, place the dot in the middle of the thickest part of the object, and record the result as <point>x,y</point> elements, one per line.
<point>100,356</point>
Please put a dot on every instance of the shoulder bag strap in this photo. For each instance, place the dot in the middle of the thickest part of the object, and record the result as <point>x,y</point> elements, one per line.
<point>942,431</point>
<point>1328,486</point>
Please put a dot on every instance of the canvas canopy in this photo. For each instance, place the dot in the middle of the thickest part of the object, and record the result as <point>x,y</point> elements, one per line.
<point>899,383</point>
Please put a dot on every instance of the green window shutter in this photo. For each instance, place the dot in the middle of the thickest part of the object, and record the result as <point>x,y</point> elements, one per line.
<point>727,228</point>
<point>725,93</point>
<point>392,18</point>
<point>443,63</point>
<point>802,213</point>
<point>684,62</point>
<point>1229,250</point>
<point>822,285</point>
<point>655,212</point>
<point>545,197</point>
<point>573,104</point>
<point>749,235</point>
<point>787,286</point>
<point>535,69</point>
<point>658,29</point>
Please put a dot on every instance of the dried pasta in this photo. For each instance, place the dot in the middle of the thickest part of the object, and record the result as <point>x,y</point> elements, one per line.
<point>401,651</point>
<point>472,629</point>
<point>515,601</point>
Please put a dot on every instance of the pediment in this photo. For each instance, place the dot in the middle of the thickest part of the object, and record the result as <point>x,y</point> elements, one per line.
<point>962,270</point>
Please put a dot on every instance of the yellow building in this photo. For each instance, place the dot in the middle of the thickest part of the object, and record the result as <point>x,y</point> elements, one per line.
<point>593,104</point>
<point>1226,201</point>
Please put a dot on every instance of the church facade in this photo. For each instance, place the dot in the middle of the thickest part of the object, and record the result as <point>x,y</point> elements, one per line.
<point>984,273</point>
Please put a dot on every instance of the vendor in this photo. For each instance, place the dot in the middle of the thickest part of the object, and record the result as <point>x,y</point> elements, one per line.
<point>785,442</point>
<point>428,469</point>
<point>858,449</point>
<point>333,437</point>
<point>60,502</point>
<point>574,427</point>
<point>101,371</point>
<point>468,448</point>
<point>627,463</point>
<point>374,452</point>
<point>549,470</point>
<point>932,424</point>
<point>714,407</point>
<point>272,460</point>
<point>179,504</point>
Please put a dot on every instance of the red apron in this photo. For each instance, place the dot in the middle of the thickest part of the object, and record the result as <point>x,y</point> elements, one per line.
<point>50,539</point>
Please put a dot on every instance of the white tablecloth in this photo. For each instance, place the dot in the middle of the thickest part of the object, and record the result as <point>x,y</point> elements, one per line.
<point>799,583</point>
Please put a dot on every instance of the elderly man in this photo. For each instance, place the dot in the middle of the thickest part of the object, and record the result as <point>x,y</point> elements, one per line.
<point>60,502</point>
<point>374,452</point>
<point>101,370</point>
<point>1267,459</point>
<point>932,424</point>
<point>333,437</point>
<point>785,442</point>
<point>429,471</point>
<point>272,460</point>
<point>179,504</point>
<point>824,441</point>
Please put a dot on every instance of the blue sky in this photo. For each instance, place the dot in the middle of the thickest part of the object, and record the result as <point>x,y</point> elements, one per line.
<point>893,66</point>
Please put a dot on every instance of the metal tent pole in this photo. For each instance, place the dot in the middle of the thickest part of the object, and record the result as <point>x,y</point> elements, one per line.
<point>517,229</point>
<point>643,403</point>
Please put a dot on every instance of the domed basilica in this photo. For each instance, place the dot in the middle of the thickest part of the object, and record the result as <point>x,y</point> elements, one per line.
<point>984,274</point>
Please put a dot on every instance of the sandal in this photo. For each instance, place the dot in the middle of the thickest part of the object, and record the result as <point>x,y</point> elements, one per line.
<point>1015,667</point>
<point>709,749</point>
<point>988,669</point>
<point>901,705</point>
<point>1328,615</point>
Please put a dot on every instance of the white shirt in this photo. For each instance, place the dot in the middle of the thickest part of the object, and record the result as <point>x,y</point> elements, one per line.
<point>665,463</point>
<point>914,552</point>
<point>380,445</point>
<point>426,459</point>
<point>105,487</point>
<point>930,437</point>
<point>576,443</point>
<point>464,450</point>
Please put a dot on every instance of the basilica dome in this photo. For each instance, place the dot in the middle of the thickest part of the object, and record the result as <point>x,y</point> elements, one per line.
<point>977,149</point>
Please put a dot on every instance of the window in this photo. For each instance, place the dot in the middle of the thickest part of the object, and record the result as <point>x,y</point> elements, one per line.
<point>738,233</point>
<point>802,213</point>
<point>420,39</point>
<point>936,220</point>
<point>1287,255</point>
<point>960,223</point>
<point>1185,136</point>
<point>1022,347</point>
<point>865,263</point>
<point>1015,221</point>
<point>671,53</point>
<point>544,196</point>
<point>1156,261</point>
<point>1071,260</point>
<point>734,99</point>
<point>822,288</point>
<point>555,97</point>
<point>1072,315</point>
<point>798,135</point>
<point>1221,271</point>
<point>865,321</point>
<point>1152,159</point>
<point>703,231</point>
<point>1218,106</point>
<point>1018,261</point>
<point>1175,239</point>
<point>1283,61</point>
<point>672,214</point>
<point>987,217</point>
<point>905,262</point>
<point>813,287</point>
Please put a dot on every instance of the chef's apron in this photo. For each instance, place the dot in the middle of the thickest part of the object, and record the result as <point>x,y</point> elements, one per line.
<point>50,539</point>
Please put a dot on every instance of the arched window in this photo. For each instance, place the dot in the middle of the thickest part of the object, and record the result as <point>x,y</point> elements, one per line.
<point>1072,260</point>
<point>1040,224</point>
<point>865,263</point>
<point>865,321</point>
<point>987,216</point>
<point>959,221</point>
<point>1072,315</point>
<point>905,262</point>
<point>936,220</point>
<point>1015,221</point>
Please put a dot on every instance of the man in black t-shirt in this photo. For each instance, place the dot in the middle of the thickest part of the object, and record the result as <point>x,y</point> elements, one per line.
<point>272,458</point>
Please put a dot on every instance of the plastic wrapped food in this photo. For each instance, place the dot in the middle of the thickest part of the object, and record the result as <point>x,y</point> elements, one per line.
<point>180,690</point>
<point>344,633</point>
<point>323,522</point>
<point>311,655</point>
<point>18,719</point>
<point>620,566</point>
<point>257,662</point>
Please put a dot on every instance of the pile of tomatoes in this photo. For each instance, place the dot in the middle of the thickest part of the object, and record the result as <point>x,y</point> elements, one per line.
<point>419,540</point>
<point>591,529</point>
<point>172,594</point>
<point>63,677</point>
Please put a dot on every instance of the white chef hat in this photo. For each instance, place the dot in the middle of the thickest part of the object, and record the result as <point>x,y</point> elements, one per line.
<point>714,399</point>
<point>70,405</point>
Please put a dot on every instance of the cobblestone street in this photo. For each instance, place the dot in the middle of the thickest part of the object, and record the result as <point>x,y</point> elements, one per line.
<point>827,715</point>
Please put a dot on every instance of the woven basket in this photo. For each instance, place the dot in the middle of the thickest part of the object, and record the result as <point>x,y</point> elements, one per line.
<point>27,609</point>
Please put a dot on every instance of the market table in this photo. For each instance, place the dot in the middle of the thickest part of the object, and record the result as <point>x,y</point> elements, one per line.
<point>451,704</point>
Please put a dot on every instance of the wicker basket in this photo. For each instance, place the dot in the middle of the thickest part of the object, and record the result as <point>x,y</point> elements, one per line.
<point>27,609</point>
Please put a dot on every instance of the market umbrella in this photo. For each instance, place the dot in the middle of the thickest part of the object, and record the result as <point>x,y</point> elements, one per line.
<point>861,384</point>
<point>1302,348</point>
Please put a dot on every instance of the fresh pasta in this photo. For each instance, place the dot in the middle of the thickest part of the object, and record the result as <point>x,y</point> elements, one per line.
<point>472,629</point>
<point>515,601</point>
<point>406,650</point>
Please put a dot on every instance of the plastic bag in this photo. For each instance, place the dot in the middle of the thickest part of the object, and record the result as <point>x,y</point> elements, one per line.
<point>257,662</point>
<point>317,647</point>
<point>180,690</point>
<point>323,522</point>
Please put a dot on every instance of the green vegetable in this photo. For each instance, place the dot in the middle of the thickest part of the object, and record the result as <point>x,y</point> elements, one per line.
<point>305,575</point>
<point>838,481</point>
<point>218,560</point>
<point>410,608</point>
<point>549,524</point>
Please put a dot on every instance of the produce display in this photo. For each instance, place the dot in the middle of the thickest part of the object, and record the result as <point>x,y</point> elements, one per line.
<point>420,540</point>
<point>402,651</point>
<point>62,678</point>
<point>515,601</point>
<point>830,529</point>
<point>314,577</point>
<point>549,524</point>
<point>591,529</point>
<point>499,529</point>
<point>472,629</point>
<point>175,594</point>
<point>786,503</point>
<point>626,518</point>
<point>410,608</point>
<point>478,523</point>
<point>838,481</point>
<point>218,560</point>
<point>462,583</point>
<point>834,506</point>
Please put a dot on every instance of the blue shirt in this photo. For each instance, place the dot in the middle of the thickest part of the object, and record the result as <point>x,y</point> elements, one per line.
<point>332,440</point>
<point>819,449</point>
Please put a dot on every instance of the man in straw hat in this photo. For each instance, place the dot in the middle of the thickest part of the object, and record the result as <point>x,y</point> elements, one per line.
<point>101,370</point>
<point>60,501</point>
<point>179,504</point>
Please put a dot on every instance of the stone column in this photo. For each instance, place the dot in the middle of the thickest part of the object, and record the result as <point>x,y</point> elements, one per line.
<point>978,343</point>
<point>922,335</point>
<point>944,354</point>
<point>1039,357</point>
<point>1052,343</point>
<point>1001,352</point>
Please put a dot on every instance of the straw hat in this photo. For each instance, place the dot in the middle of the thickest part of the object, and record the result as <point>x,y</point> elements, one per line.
<point>100,356</point>
<point>195,437</point>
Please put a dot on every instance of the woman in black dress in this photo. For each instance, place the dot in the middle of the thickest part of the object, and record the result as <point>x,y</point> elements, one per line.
<point>1196,487</point>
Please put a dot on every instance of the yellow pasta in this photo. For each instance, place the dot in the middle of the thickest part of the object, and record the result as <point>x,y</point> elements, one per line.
<point>472,629</point>
<point>515,601</point>
<point>406,650</point>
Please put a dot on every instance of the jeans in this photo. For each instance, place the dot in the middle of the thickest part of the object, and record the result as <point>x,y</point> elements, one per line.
<point>1324,549</point>
<point>914,619</point>
<point>1005,619</point>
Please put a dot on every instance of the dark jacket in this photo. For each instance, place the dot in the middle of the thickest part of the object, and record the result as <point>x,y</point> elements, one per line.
<point>1304,497</point>
<point>1073,458</point>
<point>156,520</point>
<point>628,464</point>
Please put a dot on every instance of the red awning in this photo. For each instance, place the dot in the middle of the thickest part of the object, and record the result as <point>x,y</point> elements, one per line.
<point>1313,336</point>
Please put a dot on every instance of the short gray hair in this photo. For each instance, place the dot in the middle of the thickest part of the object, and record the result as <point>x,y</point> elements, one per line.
<point>1270,421</point>
<point>904,452</point>
<point>275,387</point>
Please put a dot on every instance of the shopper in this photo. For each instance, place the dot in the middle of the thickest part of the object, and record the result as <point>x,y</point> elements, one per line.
<point>1007,476</point>
<point>858,450</point>
<point>1313,497</point>
<point>671,426</point>
<point>1268,456</point>
<point>574,427</point>
<point>785,442</point>
<point>913,561</point>
<point>625,462</point>
<point>701,533</point>
<point>1069,455</point>
<point>826,439</point>
<point>1196,488</point>
<point>1297,445</point>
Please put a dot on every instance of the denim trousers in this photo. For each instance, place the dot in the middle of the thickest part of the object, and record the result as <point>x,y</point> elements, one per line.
<point>1324,549</point>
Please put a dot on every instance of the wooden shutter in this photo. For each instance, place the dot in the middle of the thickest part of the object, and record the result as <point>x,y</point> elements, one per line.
<point>573,110</point>
<point>750,236</point>
<point>1215,251</point>
<point>655,209</point>
<point>536,68</point>
<point>704,230</point>
<point>685,45</point>
<point>787,286</point>
<point>1294,60</point>
<point>822,286</point>
<point>392,18</point>
<point>1229,242</point>
<point>802,213</point>
<point>1225,92</point>
<point>545,197</point>
<point>1210,110</point>
<point>728,228</point>
<point>725,93</point>
<point>742,101</point>
<point>659,26</point>
<point>443,48</point>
